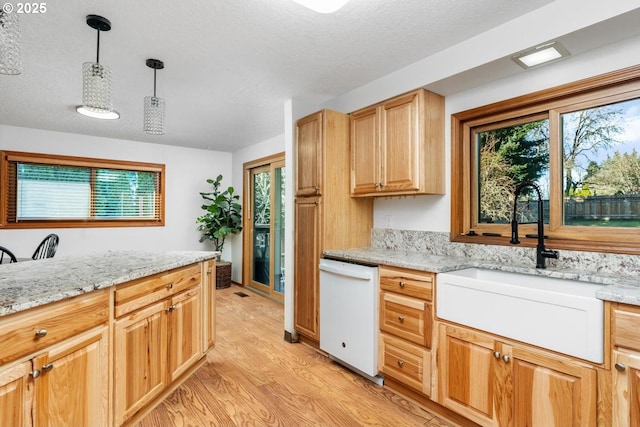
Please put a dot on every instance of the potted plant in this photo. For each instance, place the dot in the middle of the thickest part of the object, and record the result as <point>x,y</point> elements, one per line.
<point>221,218</point>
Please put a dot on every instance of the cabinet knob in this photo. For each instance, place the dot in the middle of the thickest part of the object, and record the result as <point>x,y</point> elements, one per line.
<point>40,333</point>
<point>496,354</point>
<point>316,188</point>
<point>170,308</point>
<point>401,363</point>
<point>169,286</point>
<point>209,271</point>
<point>381,185</point>
<point>401,284</point>
<point>34,374</point>
<point>401,319</point>
<point>620,367</point>
<point>506,358</point>
<point>47,367</point>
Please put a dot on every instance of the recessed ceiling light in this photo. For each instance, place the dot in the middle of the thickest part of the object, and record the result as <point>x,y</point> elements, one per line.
<point>322,6</point>
<point>540,55</point>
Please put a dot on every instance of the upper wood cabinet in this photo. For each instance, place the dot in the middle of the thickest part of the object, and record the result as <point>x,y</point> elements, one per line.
<point>397,146</point>
<point>495,383</point>
<point>309,132</point>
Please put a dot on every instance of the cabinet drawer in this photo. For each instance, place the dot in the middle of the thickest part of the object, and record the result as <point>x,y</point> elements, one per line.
<point>405,362</point>
<point>55,322</point>
<point>407,282</point>
<point>405,317</point>
<point>625,326</point>
<point>134,295</point>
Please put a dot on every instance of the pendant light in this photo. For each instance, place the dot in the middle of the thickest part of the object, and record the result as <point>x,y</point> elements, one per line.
<point>10,58</point>
<point>96,80</point>
<point>154,106</point>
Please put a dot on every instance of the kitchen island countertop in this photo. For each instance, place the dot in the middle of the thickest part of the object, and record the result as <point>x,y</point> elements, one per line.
<point>29,284</point>
<point>617,288</point>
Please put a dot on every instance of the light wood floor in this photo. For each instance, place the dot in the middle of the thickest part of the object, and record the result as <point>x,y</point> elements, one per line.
<point>254,378</point>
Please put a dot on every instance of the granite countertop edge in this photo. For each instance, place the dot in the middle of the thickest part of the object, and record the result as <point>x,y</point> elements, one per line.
<point>623,289</point>
<point>30,284</point>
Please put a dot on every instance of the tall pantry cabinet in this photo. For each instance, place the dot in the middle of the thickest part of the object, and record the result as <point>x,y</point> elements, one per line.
<point>326,217</point>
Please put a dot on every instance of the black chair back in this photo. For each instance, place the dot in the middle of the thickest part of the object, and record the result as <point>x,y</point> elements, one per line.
<point>10,256</point>
<point>47,248</point>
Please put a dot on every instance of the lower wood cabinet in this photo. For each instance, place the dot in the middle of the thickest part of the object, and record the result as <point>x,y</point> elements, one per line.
<point>625,331</point>
<point>153,347</point>
<point>65,385</point>
<point>494,383</point>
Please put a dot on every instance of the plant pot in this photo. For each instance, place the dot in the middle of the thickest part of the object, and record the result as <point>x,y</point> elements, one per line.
<point>223,274</point>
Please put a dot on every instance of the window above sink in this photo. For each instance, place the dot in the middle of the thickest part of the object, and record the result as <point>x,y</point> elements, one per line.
<point>580,143</point>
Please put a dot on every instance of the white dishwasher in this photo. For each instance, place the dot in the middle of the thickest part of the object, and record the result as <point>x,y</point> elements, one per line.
<point>349,315</point>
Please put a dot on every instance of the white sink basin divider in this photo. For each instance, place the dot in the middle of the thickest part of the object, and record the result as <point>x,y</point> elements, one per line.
<point>557,314</point>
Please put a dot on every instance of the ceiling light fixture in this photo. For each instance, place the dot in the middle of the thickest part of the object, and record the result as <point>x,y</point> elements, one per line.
<point>539,55</point>
<point>10,58</point>
<point>154,106</point>
<point>322,6</point>
<point>96,80</point>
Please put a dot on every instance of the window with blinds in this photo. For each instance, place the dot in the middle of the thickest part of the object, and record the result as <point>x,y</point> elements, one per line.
<point>41,190</point>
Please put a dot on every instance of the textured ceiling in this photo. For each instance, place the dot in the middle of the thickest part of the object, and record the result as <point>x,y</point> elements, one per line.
<point>229,64</point>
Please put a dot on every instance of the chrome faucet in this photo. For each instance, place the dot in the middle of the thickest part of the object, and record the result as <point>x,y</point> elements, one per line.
<point>541,252</point>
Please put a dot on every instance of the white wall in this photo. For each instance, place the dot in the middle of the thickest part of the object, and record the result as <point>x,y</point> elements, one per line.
<point>186,173</point>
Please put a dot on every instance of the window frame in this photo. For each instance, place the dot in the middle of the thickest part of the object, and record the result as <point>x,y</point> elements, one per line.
<point>608,88</point>
<point>7,157</point>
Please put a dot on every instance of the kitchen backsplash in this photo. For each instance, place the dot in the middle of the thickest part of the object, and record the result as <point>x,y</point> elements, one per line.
<point>437,243</point>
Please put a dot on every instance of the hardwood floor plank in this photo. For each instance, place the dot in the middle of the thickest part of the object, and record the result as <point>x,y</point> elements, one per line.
<point>255,378</point>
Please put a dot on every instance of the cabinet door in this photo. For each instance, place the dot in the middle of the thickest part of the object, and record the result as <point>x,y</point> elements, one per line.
<point>550,390</point>
<point>306,274</point>
<point>466,373</point>
<point>16,395</point>
<point>365,152</point>
<point>209,306</point>
<point>400,144</point>
<point>72,389</point>
<point>140,359</point>
<point>626,389</point>
<point>184,328</point>
<point>309,139</point>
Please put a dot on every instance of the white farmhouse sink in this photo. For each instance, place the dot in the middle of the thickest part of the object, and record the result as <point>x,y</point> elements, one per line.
<point>557,314</point>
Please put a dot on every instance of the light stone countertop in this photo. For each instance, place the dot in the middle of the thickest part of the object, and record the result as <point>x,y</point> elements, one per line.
<point>29,284</point>
<point>618,288</point>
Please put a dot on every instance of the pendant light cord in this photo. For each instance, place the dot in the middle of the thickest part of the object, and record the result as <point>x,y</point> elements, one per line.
<point>98,49</point>
<point>154,82</point>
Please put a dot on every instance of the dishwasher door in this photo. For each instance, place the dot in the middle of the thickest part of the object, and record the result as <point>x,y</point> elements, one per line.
<point>349,314</point>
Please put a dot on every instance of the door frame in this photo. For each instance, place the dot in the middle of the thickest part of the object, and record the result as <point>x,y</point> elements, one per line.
<point>247,219</point>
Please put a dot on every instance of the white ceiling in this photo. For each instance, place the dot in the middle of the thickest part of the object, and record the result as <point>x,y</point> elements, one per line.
<point>229,64</point>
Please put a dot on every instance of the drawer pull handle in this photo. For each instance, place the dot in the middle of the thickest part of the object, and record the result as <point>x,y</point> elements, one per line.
<point>401,319</point>
<point>34,374</point>
<point>506,358</point>
<point>401,284</point>
<point>496,354</point>
<point>620,367</point>
<point>401,363</point>
<point>41,333</point>
<point>47,367</point>
<point>170,286</point>
<point>170,308</point>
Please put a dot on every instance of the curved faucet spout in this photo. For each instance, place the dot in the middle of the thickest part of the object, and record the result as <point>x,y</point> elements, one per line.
<point>541,252</point>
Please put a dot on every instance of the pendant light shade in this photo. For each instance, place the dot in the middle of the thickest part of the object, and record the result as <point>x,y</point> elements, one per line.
<point>10,58</point>
<point>96,80</point>
<point>154,107</point>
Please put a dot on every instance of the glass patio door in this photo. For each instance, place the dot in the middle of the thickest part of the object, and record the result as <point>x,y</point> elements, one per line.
<point>266,227</point>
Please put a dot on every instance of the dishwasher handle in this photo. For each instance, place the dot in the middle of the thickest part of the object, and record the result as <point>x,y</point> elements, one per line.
<point>361,275</point>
